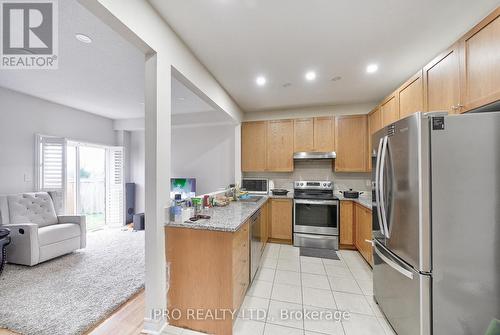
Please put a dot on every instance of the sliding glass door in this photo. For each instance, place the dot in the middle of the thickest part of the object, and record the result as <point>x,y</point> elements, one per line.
<point>88,191</point>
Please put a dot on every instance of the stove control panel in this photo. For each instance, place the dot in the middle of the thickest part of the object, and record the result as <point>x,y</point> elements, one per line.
<point>314,185</point>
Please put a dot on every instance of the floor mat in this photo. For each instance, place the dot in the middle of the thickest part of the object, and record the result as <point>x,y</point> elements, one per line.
<point>320,253</point>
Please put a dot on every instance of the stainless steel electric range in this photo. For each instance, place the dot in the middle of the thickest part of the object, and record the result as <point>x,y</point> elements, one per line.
<point>316,215</point>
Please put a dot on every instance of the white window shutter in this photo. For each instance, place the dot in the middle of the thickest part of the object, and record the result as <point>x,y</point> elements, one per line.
<point>51,167</point>
<point>115,187</point>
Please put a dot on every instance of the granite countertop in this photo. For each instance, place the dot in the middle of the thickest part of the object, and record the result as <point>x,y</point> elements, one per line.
<point>363,200</point>
<point>228,219</point>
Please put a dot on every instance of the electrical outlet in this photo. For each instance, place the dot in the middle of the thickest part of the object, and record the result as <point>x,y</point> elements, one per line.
<point>368,183</point>
<point>27,178</point>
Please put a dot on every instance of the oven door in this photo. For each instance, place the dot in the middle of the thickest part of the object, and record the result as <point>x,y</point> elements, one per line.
<point>316,216</point>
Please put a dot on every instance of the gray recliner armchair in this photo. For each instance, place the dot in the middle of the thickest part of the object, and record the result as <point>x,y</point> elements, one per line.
<point>37,233</point>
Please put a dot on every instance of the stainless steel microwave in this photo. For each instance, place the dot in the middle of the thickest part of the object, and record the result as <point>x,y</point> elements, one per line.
<point>255,185</point>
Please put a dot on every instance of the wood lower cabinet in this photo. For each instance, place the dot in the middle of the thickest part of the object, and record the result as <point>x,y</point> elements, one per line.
<point>280,214</point>
<point>411,96</point>
<point>442,82</point>
<point>363,223</point>
<point>389,110</point>
<point>347,230</point>
<point>323,134</point>
<point>209,270</point>
<point>253,146</point>
<point>303,134</point>
<point>280,145</point>
<point>480,63</point>
<point>351,143</point>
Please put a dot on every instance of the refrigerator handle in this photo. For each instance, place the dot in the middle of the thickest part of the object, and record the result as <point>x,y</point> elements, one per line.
<point>377,188</point>
<point>381,188</point>
<point>392,263</point>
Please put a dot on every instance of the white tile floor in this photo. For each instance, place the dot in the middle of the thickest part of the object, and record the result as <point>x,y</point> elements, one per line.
<point>287,281</point>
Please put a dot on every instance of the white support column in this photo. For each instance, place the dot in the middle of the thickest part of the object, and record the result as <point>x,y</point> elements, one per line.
<point>157,184</point>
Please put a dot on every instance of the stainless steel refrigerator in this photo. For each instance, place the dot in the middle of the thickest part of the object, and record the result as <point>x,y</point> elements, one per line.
<point>436,223</point>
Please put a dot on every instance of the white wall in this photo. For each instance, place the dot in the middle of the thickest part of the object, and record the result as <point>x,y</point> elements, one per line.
<point>310,112</point>
<point>137,168</point>
<point>205,153</point>
<point>22,116</point>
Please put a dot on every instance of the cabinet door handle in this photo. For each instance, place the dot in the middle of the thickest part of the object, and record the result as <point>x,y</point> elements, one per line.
<point>454,107</point>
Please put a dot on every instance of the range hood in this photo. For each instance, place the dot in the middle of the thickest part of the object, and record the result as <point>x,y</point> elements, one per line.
<point>314,155</point>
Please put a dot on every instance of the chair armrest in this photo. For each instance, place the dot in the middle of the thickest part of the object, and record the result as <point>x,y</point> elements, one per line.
<point>80,220</point>
<point>24,247</point>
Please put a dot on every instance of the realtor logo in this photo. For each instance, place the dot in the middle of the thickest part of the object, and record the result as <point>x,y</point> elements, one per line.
<point>29,34</point>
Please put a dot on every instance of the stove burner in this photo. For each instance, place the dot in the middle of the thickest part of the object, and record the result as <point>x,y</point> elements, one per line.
<point>315,190</point>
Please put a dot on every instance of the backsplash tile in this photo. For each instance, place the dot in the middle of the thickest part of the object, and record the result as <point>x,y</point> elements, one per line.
<point>316,170</point>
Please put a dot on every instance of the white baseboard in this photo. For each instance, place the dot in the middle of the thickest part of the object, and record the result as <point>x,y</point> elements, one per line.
<point>153,327</point>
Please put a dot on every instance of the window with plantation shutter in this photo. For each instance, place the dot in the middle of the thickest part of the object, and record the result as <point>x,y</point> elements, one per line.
<point>115,187</point>
<point>51,167</point>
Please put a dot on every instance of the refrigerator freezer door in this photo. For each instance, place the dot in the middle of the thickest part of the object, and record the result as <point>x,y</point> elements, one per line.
<point>402,293</point>
<point>377,225</point>
<point>465,159</point>
<point>403,184</point>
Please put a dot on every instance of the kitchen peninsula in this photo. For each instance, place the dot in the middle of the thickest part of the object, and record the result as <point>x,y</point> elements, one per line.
<point>210,264</point>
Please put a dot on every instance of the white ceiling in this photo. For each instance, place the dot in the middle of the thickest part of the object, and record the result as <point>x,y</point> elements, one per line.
<point>104,78</point>
<point>190,109</point>
<point>282,39</point>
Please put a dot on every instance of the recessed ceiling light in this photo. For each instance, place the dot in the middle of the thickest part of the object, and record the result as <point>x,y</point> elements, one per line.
<point>83,38</point>
<point>311,75</point>
<point>372,68</point>
<point>261,80</point>
<point>336,78</point>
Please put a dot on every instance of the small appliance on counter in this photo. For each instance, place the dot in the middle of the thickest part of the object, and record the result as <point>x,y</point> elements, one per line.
<point>350,194</point>
<point>255,185</point>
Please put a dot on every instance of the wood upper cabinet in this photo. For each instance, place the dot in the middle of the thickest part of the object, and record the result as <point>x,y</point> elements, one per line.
<point>351,143</point>
<point>323,134</point>
<point>375,120</point>
<point>253,146</point>
<point>374,124</point>
<point>281,219</point>
<point>363,219</point>
<point>411,96</point>
<point>442,82</point>
<point>347,237</point>
<point>389,110</point>
<point>480,65</point>
<point>303,130</point>
<point>313,134</point>
<point>280,145</point>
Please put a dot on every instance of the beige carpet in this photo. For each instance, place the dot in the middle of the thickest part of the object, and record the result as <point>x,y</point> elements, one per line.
<point>69,294</point>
